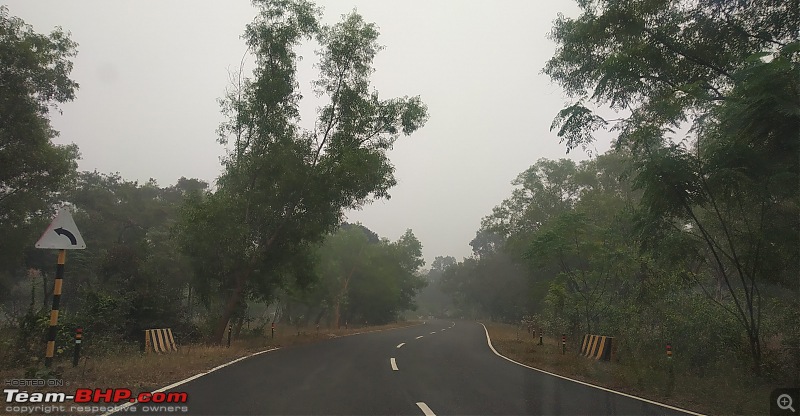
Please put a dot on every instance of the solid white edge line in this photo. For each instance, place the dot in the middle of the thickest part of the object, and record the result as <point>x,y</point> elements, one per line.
<point>173,385</point>
<point>489,341</point>
<point>394,364</point>
<point>425,409</point>
<point>186,380</point>
<point>420,336</point>
<point>401,344</point>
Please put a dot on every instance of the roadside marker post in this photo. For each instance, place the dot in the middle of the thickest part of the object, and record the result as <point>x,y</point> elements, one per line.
<point>541,332</point>
<point>62,234</point>
<point>230,327</point>
<point>670,371</point>
<point>273,329</point>
<point>563,344</point>
<point>78,338</point>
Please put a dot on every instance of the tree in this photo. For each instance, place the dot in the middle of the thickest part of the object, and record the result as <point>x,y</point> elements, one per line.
<point>388,282</point>
<point>440,264</point>
<point>284,187</point>
<point>34,79</point>
<point>729,69</point>
<point>432,300</point>
<point>544,190</point>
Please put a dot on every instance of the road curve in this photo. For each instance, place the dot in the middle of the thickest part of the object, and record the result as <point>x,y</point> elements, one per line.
<point>450,372</point>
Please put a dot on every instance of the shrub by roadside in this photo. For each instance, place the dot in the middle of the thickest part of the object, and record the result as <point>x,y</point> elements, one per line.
<point>733,392</point>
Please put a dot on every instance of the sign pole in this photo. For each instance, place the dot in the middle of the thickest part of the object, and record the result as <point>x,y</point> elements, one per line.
<point>62,234</point>
<point>51,332</point>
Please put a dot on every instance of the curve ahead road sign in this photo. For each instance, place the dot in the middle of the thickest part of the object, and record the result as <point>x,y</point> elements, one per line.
<point>62,234</point>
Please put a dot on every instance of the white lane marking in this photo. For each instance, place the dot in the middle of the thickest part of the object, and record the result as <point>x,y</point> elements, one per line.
<point>176,384</point>
<point>420,336</point>
<point>425,409</point>
<point>186,380</point>
<point>433,332</point>
<point>401,344</point>
<point>394,364</point>
<point>489,341</point>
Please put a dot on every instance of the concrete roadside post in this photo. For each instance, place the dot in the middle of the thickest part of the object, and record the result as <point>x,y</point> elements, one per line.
<point>670,371</point>
<point>76,356</point>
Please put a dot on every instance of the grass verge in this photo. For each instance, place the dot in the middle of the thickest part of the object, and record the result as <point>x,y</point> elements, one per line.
<point>147,372</point>
<point>722,394</point>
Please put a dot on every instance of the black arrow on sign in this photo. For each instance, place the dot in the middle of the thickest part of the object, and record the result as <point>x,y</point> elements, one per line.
<point>61,231</point>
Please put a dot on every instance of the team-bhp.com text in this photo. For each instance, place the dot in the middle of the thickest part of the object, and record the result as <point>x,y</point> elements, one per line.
<point>93,396</point>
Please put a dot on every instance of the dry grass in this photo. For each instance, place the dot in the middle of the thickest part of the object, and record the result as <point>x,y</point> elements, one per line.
<point>719,394</point>
<point>148,372</point>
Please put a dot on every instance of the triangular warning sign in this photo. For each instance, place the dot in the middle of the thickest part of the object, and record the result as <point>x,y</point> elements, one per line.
<point>62,233</point>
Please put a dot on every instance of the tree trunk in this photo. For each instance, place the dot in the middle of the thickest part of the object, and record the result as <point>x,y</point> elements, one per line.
<point>319,316</point>
<point>336,314</point>
<point>229,308</point>
<point>189,304</point>
<point>44,290</point>
<point>755,351</point>
<point>238,329</point>
<point>236,296</point>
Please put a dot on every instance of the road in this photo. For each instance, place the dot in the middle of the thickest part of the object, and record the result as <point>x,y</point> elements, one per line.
<point>437,368</point>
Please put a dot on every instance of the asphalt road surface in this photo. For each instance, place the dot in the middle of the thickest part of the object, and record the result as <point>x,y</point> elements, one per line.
<point>437,368</point>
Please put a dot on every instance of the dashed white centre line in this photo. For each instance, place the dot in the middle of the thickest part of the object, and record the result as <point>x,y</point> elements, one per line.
<point>425,409</point>
<point>394,364</point>
<point>401,344</point>
<point>433,332</point>
<point>420,336</point>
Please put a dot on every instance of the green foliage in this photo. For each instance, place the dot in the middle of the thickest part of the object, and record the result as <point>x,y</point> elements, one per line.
<point>432,300</point>
<point>362,278</point>
<point>30,339</point>
<point>488,284</point>
<point>729,69</point>
<point>34,79</point>
<point>663,62</point>
<point>284,187</point>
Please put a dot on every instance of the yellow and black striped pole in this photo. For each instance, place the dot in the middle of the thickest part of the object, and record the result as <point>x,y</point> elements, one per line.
<point>51,333</point>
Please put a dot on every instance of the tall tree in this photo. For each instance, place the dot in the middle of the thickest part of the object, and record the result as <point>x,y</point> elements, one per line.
<point>730,70</point>
<point>34,79</point>
<point>285,187</point>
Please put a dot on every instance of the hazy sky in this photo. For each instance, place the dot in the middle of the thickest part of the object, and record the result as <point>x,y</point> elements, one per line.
<point>150,74</point>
